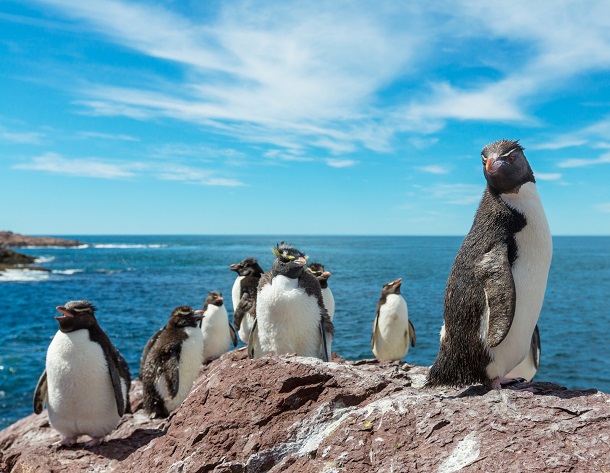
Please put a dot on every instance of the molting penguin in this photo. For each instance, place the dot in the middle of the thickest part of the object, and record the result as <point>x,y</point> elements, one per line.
<point>215,327</point>
<point>392,329</point>
<point>496,286</point>
<point>528,368</point>
<point>172,362</point>
<point>243,295</point>
<point>290,312</point>
<point>86,380</point>
<point>317,269</point>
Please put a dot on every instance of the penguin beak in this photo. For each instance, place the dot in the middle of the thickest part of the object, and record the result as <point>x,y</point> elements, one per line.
<point>398,282</point>
<point>235,267</point>
<point>492,165</point>
<point>64,312</point>
<point>326,274</point>
<point>198,314</point>
<point>300,261</point>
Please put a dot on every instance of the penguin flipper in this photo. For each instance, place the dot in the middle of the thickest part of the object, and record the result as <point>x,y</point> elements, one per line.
<point>494,273</point>
<point>171,371</point>
<point>374,332</point>
<point>253,339</point>
<point>325,342</point>
<point>412,336</point>
<point>535,347</point>
<point>40,394</point>
<point>233,335</point>
<point>115,377</point>
<point>149,345</point>
<point>246,305</point>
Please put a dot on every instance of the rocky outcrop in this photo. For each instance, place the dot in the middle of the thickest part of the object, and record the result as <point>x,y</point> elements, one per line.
<point>297,414</point>
<point>16,240</point>
<point>10,259</point>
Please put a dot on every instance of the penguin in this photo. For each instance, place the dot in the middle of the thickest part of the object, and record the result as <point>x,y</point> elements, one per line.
<point>290,312</point>
<point>172,362</point>
<point>215,327</point>
<point>243,295</point>
<point>322,276</point>
<point>86,381</point>
<point>392,329</point>
<point>496,286</point>
<point>527,369</point>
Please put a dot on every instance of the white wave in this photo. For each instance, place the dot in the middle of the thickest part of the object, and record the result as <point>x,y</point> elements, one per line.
<point>67,271</point>
<point>23,275</point>
<point>44,259</point>
<point>77,247</point>
<point>126,246</point>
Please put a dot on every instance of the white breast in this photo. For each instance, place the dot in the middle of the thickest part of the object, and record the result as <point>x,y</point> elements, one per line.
<point>191,358</point>
<point>288,319</point>
<point>80,394</point>
<point>391,341</point>
<point>216,332</point>
<point>530,271</point>
<point>235,291</point>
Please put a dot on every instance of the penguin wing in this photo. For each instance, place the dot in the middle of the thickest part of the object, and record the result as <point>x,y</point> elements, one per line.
<point>233,335</point>
<point>171,370</point>
<point>412,336</point>
<point>374,332</point>
<point>310,284</point>
<point>535,347</point>
<point>115,377</point>
<point>253,339</point>
<point>246,305</point>
<point>40,394</point>
<point>149,345</point>
<point>493,272</point>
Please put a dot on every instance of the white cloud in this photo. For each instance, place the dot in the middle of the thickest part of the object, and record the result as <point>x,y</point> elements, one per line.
<point>107,136</point>
<point>21,137</point>
<point>88,167</point>
<point>434,169</point>
<point>457,194</point>
<point>548,176</point>
<point>604,207</point>
<point>341,163</point>
<point>577,162</point>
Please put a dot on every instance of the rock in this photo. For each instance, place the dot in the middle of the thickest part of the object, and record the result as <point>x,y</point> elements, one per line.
<point>16,240</point>
<point>298,414</point>
<point>10,259</point>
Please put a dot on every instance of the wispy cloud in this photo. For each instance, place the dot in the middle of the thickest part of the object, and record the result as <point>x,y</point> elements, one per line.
<point>578,163</point>
<point>456,194</point>
<point>551,176</point>
<point>341,163</point>
<point>90,167</point>
<point>107,136</point>
<point>604,207</point>
<point>32,138</point>
<point>434,169</point>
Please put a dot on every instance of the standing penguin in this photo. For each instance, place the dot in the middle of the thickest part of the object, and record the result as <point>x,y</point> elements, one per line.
<point>290,312</point>
<point>392,329</point>
<point>172,362</point>
<point>86,380</point>
<point>317,269</point>
<point>528,368</point>
<point>215,327</point>
<point>243,295</point>
<point>496,286</point>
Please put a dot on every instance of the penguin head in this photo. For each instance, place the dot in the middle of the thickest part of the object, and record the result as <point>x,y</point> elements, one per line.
<point>317,269</point>
<point>392,287</point>
<point>214,298</point>
<point>505,166</point>
<point>76,315</point>
<point>289,261</point>
<point>248,267</point>
<point>184,316</point>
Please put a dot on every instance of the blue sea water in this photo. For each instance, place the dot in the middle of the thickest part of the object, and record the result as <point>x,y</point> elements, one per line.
<point>136,281</point>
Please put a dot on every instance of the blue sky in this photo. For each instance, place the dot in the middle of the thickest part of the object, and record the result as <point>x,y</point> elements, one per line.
<point>240,117</point>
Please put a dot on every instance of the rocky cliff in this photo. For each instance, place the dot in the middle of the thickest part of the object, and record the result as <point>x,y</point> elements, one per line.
<point>16,240</point>
<point>296,414</point>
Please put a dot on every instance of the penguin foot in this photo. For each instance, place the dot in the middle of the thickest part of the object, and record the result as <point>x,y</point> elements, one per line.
<point>496,383</point>
<point>66,442</point>
<point>94,442</point>
<point>509,381</point>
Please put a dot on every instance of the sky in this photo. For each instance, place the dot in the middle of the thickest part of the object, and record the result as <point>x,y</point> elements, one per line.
<point>293,118</point>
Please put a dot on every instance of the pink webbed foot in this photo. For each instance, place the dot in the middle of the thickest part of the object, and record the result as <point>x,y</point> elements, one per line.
<point>66,442</point>
<point>94,442</point>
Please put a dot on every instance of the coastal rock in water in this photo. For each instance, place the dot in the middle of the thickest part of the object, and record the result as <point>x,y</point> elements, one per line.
<point>11,258</point>
<point>16,240</point>
<point>298,414</point>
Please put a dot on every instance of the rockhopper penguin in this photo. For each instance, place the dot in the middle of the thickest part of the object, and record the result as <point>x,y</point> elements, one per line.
<point>171,362</point>
<point>392,329</point>
<point>496,286</point>
<point>218,334</point>
<point>290,312</point>
<point>243,295</point>
<point>86,380</point>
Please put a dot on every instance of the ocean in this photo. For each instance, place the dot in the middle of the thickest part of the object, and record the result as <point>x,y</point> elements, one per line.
<point>136,281</point>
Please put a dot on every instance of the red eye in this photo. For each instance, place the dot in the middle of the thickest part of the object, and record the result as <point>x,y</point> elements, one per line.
<point>511,158</point>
